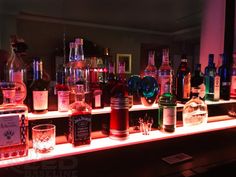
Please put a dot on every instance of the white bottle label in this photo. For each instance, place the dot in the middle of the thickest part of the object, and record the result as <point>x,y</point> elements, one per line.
<point>169,115</point>
<point>217,87</point>
<point>40,100</point>
<point>63,100</point>
<point>9,130</point>
<point>186,86</point>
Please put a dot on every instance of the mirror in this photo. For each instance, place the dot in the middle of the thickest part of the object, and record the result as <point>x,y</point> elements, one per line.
<point>125,27</point>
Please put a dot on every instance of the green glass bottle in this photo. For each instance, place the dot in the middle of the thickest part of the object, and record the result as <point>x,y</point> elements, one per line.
<point>167,110</point>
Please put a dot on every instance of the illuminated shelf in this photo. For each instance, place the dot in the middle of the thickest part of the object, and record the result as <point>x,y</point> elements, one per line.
<point>107,110</point>
<point>64,150</point>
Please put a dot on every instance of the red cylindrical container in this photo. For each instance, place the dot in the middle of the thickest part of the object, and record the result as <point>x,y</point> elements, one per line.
<point>119,118</point>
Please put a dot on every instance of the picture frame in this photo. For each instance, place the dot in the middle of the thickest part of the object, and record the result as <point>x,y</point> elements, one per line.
<point>127,59</point>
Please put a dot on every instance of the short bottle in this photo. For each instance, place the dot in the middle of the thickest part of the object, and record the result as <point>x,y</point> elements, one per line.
<point>225,76</point>
<point>14,125</point>
<point>183,81</point>
<point>195,111</point>
<point>165,72</point>
<point>197,80</point>
<point>167,110</point>
<point>39,88</point>
<point>233,79</point>
<point>80,120</point>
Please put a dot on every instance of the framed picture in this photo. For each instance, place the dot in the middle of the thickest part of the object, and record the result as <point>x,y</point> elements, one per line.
<point>125,58</point>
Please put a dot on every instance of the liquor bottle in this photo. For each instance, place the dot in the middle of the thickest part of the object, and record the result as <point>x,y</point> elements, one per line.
<point>224,72</point>
<point>80,120</point>
<point>165,72</point>
<point>72,52</point>
<point>167,110</point>
<point>79,50</point>
<point>63,93</point>
<point>16,68</point>
<point>119,116</point>
<point>212,80</point>
<point>95,87</point>
<point>151,69</point>
<point>14,124</point>
<point>39,88</point>
<point>183,81</point>
<point>233,79</point>
<point>195,110</point>
<point>197,80</point>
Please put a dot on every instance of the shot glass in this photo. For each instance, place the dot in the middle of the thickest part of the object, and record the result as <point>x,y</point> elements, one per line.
<point>44,138</point>
<point>145,124</point>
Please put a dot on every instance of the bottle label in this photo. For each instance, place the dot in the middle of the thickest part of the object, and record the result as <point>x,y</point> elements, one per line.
<point>186,86</point>
<point>233,85</point>
<point>9,130</point>
<point>97,98</point>
<point>217,87</point>
<point>40,100</point>
<point>17,77</point>
<point>169,115</point>
<point>202,90</point>
<point>163,80</point>
<point>81,127</point>
<point>63,100</point>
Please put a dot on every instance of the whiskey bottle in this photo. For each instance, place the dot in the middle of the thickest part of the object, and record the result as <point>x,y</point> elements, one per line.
<point>80,120</point>
<point>183,81</point>
<point>167,110</point>
<point>14,124</point>
<point>39,88</point>
<point>165,72</point>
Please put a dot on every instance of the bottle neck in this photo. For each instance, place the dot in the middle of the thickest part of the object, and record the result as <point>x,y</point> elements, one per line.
<point>72,52</point>
<point>121,71</point>
<point>38,69</point>
<point>165,57</point>
<point>151,58</point>
<point>8,96</point>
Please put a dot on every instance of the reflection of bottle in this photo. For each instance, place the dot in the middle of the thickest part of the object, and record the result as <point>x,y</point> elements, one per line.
<point>197,80</point>
<point>183,81</point>
<point>39,88</point>
<point>14,125</point>
<point>224,72</point>
<point>167,110</point>
<point>195,110</point>
<point>80,119</point>
<point>165,72</point>
<point>233,79</point>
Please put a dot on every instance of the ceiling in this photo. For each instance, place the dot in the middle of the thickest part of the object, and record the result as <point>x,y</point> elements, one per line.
<point>164,16</point>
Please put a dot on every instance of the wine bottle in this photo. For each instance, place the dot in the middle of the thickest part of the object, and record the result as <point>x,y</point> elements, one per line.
<point>39,88</point>
<point>224,72</point>
<point>183,81</point>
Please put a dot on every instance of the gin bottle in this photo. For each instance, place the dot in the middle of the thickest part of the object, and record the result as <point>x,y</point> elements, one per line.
<point>195,110</point>
<point>13,124</point>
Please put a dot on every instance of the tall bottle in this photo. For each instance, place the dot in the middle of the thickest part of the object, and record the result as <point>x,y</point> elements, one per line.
<point>195,111</point>
<point>183,81</point>
<point>80,120</point>
<point>151,69</point>
<point>197,80</point>
<point>212,80</point>
<point>119,116</point>
<point>14,125</point>
<point>39,88</point>
<point>165,72</point>
<point>167,110</point>
<point>79,50</point>
<point>16,68</point>
<point>72,52</point>
<point>224,72</point>
<point>233,79</point>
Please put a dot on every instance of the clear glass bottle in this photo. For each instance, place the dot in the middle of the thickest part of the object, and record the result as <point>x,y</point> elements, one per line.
<point>80,120</point>
<point>233,78</point>
<point>165,72</point>
<point>183,81</point>
<point>195,111</point>
<point>167,110</point>
<point>16,68</point>
<point>14,125</point>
